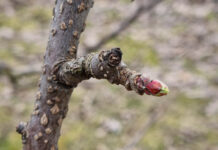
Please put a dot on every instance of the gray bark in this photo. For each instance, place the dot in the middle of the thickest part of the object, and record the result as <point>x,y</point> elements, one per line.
<point>43,130</point>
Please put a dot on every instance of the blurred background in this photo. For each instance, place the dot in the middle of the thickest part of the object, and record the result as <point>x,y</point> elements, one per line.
<point>175,41</point>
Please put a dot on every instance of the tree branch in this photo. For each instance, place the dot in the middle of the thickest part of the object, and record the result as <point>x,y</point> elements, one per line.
<point>6,70</point>
<point>107,65</point>
<point>15,75</point>
<point>143,7</point>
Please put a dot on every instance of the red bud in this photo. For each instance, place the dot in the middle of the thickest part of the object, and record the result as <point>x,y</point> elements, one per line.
<point>150,87</point>
<point>153,87</point>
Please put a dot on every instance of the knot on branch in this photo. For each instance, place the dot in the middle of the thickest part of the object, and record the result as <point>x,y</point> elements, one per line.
<point>112,57</point>
<point>21,129</point>
<point>72,72</point>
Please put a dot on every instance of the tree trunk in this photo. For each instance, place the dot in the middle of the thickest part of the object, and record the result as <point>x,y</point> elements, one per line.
<point>43,130</point>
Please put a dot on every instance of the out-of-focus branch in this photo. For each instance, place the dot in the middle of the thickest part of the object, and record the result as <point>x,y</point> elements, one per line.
<point>27,72</point>
<point>6,70</point>
<point>144,6</point>
<point>14,76</point>
<point>156,113</point>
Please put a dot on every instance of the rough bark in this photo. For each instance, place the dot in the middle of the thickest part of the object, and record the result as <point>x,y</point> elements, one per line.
<point>108,65</point>
<point>101,65</point>
<point>62,72</point>
<point>43,130</point>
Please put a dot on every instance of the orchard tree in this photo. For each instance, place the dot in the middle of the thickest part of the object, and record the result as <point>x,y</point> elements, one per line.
<point>63,71</point>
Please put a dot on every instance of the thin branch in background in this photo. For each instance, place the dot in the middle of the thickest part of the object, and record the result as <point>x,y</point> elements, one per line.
<point>156,113</point>
<point>6,70</point>
<point>143,7</point>
<point>13,75</point>
<point>28,72</point>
